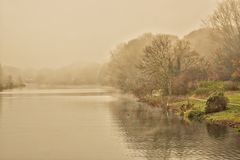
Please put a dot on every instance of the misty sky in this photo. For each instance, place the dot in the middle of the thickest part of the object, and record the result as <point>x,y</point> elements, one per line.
<point>52,33</point>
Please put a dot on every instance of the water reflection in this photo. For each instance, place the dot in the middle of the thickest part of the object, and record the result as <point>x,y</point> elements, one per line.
<point>216,131</point>
<point>72,124</point>
<point>157,135</point>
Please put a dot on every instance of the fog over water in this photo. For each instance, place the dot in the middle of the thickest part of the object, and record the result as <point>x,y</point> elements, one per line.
<point>54,33</point>
<point>119,79</point>
<point>65,124</point>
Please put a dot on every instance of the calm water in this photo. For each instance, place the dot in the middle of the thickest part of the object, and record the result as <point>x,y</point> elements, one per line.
<point>93,124</point>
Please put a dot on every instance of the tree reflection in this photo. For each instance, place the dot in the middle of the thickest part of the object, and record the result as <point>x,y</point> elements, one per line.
<point>157,135</point>
<point>216,131</point>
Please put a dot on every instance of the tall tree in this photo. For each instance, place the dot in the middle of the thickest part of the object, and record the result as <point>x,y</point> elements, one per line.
<point>185,57</point>
<point>225,22</point>
<point>165,59</point>
<point>157,63</point>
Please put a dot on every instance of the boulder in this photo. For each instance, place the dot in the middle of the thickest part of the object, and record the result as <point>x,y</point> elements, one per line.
<point>216,102</point>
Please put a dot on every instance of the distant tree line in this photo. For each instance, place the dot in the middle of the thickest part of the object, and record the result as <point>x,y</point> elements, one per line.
<point>87,74</point>
<point>8,82</point>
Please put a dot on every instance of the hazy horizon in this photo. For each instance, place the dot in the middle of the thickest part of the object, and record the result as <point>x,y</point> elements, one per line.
<point>55,33</point>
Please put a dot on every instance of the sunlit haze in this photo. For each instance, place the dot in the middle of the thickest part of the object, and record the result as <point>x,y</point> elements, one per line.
<point>54,33</point>
<point>119,79</point>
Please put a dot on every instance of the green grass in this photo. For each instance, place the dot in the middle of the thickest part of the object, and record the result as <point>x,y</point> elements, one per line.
<point>197,112</point>
<point>231,116</point>
<point>194,113</point>
<point>238,129</point>
<point>206,88</point>
<point>234,97</point>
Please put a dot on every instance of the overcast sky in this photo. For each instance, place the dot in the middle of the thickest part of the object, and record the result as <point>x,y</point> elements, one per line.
<point>52,33</point>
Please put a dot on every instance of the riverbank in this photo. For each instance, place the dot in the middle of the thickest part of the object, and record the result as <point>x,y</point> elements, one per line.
<point>229,117</point>
<point>193,108</point>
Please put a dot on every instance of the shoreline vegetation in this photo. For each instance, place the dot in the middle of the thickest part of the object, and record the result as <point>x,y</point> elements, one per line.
<point>197,76</point>
<point>193,108</point>
<point>7,81</point>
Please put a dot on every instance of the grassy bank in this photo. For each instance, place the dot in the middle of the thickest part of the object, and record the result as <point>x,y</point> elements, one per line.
<point>229,117</point>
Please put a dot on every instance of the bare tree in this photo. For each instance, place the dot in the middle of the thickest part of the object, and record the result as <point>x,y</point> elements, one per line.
<point>158,62</point>
<point>185,57</point>
<point>225,21</point>
<point>225,24</point>
<point>165,59</point>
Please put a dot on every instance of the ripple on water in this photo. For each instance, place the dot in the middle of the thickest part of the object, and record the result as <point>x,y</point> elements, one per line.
<point>168,137</point>
<point>74,125</point>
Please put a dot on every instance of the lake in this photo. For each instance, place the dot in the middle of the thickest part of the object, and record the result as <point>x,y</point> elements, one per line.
<point>94,123</point>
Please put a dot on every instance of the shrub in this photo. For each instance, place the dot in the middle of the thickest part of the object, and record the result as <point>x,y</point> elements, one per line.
<point>196,114</point>
<point>208,87</point>
<point>202,91</point>
<point>230,86</point>
<point>179,87</point>
<point>211,84</point>
<point>238,129</point>
<point>216,102</point>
